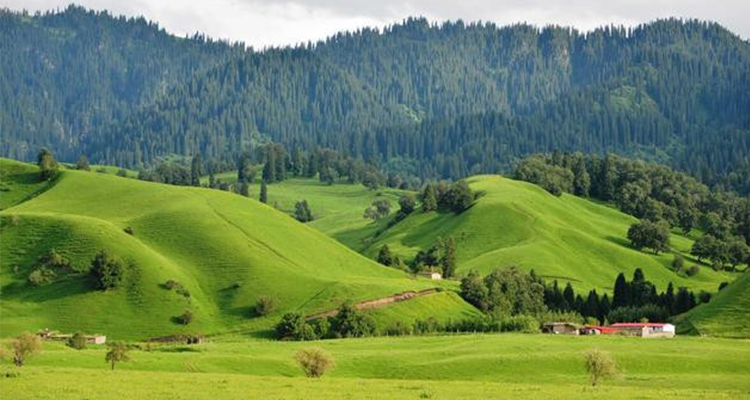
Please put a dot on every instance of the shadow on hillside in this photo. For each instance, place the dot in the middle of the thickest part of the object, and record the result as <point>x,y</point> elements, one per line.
<point>63,287</point>
<point>620,241</point>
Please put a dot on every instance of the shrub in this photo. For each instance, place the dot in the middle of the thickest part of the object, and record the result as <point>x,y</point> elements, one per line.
<point>599,365</point>
<point>692,270</point>
<point>398,329</point>
<point>520,323</point>
<point>77,341</point>
<point>264,306</point>
<point>118,352</point>
<point>41,276</point>
<point>678,263</point>
<point>129,230</point>
<point>24,346</point>
<point>314,362</point>
<point>704,296</point>
<point>53,259</point>
<point>186,317</point>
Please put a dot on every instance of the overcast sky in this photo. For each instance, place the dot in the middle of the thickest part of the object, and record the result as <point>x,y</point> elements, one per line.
<point>267,22</point>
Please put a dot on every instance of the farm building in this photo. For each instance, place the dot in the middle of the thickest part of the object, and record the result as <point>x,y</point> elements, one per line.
<point>598,330</point>
<point>560,328</point>
<point>431,275</point>
<point>63,337</point>
<point>645,329</point>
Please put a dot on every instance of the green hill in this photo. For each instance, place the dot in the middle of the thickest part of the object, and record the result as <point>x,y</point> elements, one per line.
<point>566,238</point>
<point>226,250</point>
<point>726,315</point>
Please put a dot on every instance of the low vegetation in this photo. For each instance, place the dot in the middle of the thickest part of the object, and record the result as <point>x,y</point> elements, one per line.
<point>314,362</point>
<point>600,366</point>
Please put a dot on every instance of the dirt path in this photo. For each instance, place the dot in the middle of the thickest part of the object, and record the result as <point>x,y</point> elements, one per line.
<point>377,303</point>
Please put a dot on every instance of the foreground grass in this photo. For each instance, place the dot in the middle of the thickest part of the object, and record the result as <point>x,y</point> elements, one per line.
<point>442,367</point>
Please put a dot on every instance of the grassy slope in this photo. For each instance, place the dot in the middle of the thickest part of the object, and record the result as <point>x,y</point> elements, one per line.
<point>569,238</point>
<point>465,366</point>
<point>338,208</point>
<point>727,315</point>
<point>206,239</point>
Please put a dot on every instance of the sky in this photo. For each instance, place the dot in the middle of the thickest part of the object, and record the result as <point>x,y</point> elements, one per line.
<point>262,23</point>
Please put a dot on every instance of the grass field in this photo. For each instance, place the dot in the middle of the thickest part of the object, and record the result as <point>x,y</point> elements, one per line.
<point>227,250</point>
<point>439,367</point>
<point>566,238</point>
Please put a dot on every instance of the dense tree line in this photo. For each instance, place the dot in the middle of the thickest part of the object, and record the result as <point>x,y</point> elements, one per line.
<point>632,301</point>
<point>427,100</point>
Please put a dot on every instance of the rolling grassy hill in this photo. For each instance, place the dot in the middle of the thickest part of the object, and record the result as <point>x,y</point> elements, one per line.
<point>727,315</point>
<point>226,250</point>
<point>566,238</point>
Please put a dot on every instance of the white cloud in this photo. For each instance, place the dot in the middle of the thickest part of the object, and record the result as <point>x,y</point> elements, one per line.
<point>268,22</point>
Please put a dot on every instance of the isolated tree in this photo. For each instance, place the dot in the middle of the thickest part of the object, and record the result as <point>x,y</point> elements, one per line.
<point>380,208</point>
<point>314,362</point>
<point>263,192</point>
<point>83,163</point>
<point>457,198</point>
<point>647,234</point>
<point>244,168</point>
<point>48,167</point>
<point>108,272</point>
<point>600,365</point>
<point>429,198</point>
<point>678,263</point>
<point>77,341</point>
<point>196,170</point>
<point>384,256</point>
<point>704,247</point>
<point>448,261</point>
<point>736,251</point>
<point>302,211</point>
<point>25,346</point>
<point>244,189</point>
<point>264,306</point>
<point>407,204</point>
<point>118,352</point>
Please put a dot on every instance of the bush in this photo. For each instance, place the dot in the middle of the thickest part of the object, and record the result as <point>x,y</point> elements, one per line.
<point>599,365</point>
<point>77,341</point>
<point>186,317</point>
<point>24,346</point>
<point>398,328</point>
<point>520,323</point>
<point>314,362</point>
<point>264,306</point>
<point>129,230</point>
<point>692,270</point>
<point>41,276</point>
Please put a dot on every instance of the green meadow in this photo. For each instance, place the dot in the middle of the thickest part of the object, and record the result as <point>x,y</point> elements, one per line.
<point>439,367</point>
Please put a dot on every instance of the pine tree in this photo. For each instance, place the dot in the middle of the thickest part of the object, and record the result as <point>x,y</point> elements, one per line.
<point>384,256</point>
<point>429,198</point>
<point>83,163</point>
<point>263,192</point>
<point>621,296</point>
<point>196,170</point>
<point>448,261</point>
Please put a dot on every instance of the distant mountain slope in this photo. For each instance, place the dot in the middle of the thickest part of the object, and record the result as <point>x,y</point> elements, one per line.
<point>565,238</point>
<point>226,250</point>
<point>64,76</point>
<point>727,315</point>
<point>449,100</point>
